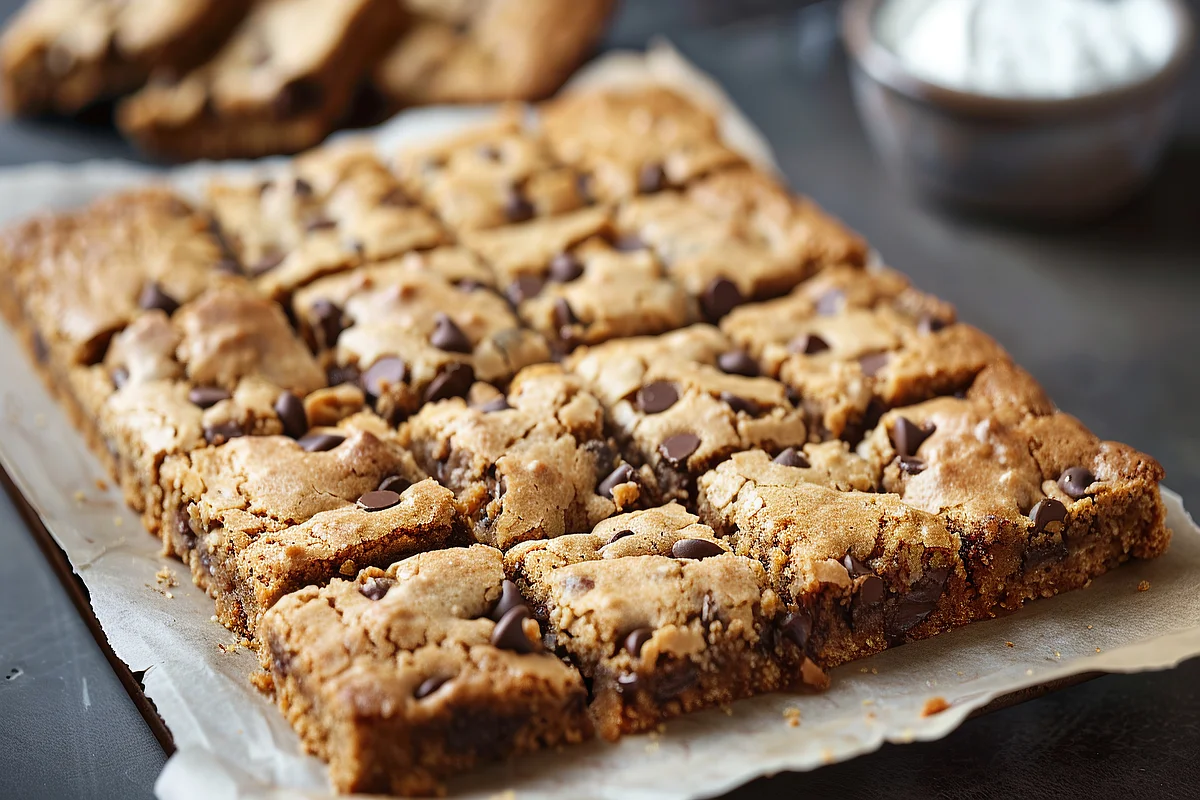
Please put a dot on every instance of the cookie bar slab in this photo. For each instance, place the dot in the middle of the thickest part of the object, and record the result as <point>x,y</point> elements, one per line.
<point>634,141</point>
<point>1039,503</point>
<point>488,51</point>
<point>405,677</point>
<point>259,517</point>
<point>491,175</point>
<point>278,86</point>
<point>737,236</point>
<point>534,464</point>
<point>660,617</point>
<point>333,209</point>
<point>62,55</point>
<point>851,343</point>
<point>859,570</point>
<point>409,335</point>
<point>681,402</point>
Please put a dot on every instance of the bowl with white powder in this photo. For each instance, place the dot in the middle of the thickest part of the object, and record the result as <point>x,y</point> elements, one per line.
<point>1037,109</point>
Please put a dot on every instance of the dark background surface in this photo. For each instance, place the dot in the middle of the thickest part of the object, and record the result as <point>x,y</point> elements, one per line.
<point>1106,316</point>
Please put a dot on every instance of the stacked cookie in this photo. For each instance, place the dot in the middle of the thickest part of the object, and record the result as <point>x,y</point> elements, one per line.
<point>248,78</point>
<point>560,427</point>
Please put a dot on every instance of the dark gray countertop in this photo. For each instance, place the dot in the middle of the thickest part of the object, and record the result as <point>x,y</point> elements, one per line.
<point>1105,316</point>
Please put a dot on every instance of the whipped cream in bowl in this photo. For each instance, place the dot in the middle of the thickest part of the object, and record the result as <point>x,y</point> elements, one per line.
<point>1032,108</point>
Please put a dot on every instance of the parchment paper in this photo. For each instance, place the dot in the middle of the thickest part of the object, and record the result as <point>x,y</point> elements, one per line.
<point>233,743</point>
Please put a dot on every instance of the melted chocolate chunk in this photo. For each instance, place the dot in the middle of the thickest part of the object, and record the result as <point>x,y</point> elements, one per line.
<point>636,640</point>
<point>1075,482</point>
<point>676,449</point>
<point>719,298</point>
<point>791,457</point>
<point>378,500</point>
<point>657,397</point>
<point>509,634</point>
<point>448,336</point>
<point>622,474</point>
<point>738,362</point>
<point>292,415</point>
<point>320,442</point>
<point>510,598</point>
<point>907,436</point>
<point>454,381</point>
<point>696,549</point>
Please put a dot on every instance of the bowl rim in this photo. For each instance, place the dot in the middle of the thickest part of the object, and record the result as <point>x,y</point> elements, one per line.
<point>885,67</point>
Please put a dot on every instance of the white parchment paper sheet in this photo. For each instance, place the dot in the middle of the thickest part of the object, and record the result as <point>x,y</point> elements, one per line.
<point>232,743</point>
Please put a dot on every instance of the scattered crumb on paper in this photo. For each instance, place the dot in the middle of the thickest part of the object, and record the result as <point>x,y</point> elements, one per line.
<point>934,705</point>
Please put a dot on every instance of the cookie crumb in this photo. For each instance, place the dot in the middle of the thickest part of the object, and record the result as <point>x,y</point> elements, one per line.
<point>101,485</point>
<point>166,578</point>
<point>792,715</point>
<point>1144,586</point>
<point>1097,649</point>
<point>1009,644</point>
<point>1089,627</point>
<point>118,521</point>
<point>934,705</point>
<point>263,681</point>
<point>728,710</point>
<point>79,496</point>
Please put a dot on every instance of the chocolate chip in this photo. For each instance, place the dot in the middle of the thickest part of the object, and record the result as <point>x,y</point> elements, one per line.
<point>41,350</point>
<point>153,297</point>
<point>629,243</point>
<point>319,224</point>
<point>565,267</point>
<point>907,436</point>
<point>676,449</point>
<point>930,324</point>
<point>509,634</point>
<point>119,377</point>
<point>738,362</point>
<point>808,344</point>
<point>448,336</point>
<point>374,588</point>
<point>856,568</point>
<point>872,363</point>
<point>791,457</point>
<point>510,598</point>
<point>564,316</point>
<point>742,404</point>
<point>618,535</point>
<point>831,302</point>
<point>326,322</point>
<point>292,415</point>
<point>207,396</point>
<point>870,591</point>
<point>622,474</point>
<point>429,686</point>
<point>320,442</point>
<point>266,263</point>
<point>497,404</point>
<point>1046,512</point>
<point>651,178</point>
<point>672,684</point>
<point>636,640</point>
<point>517,207</point>
<point>657,397</point>
<point>1040,555</point>
<point>387,371</point>
<point>797,627</point>
<point>719,298</point>
<point>523,288</point>
<point>394,483</point>
<point>378,500</point>
<point>628,683</point>
<point>918,603</point>
<point>336,376</point>
<point>453,381</point>
<point>298,97</point>
<point>696,549</point>
<point>302,188</point>
<point>1075,482</point>
<point>223,432</point>
<point>912,465</point>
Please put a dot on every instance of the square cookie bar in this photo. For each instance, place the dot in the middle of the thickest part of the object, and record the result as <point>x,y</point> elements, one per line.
<point>1039,503</point>
<point>62,55</point>
<point>224,365</point>
<point>683,401</point>
<point>408,335</point>
<point>484,52</point>
<point>634,141</point>
<point>534,464</point>
<point>737,236</point>
<point>660,617</point>
<point>490,175</point>
<point>278,85</point>
<point>332,209</point>
<point>859,570</point>
<point>259,517</point>
<point>405,677</point>
<point>852,343</point>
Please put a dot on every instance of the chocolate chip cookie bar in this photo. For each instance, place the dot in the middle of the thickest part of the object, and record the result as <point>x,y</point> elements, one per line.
<point>737,236</point>
<point>483,52</point>
<point>278,86</point>
<point>850,344</point>
<point>259,517</point>
<point>405,677</point>
<point>628,142</point>
<point>62,55</point>
<point>332,209</point>
<point>683,401</point>
<point>532,464</point>
<point>409,336</point>
<point>660,618</point>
